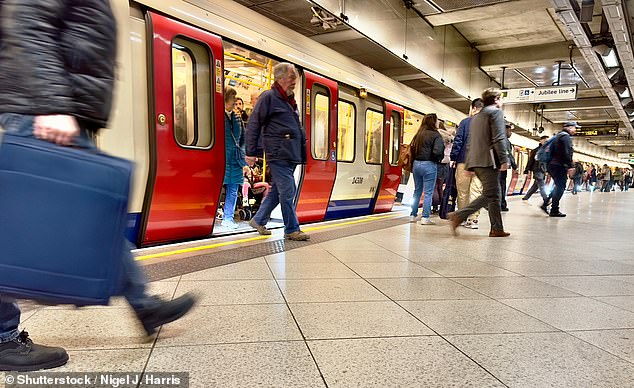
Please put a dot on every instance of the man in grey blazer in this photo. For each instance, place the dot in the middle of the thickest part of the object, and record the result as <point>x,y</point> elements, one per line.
<point>487,155</point>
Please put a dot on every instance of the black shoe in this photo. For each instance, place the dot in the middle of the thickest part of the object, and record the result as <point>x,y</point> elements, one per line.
<point>22,355</point>
<point>165,312</point>
<point>504,209</point>
<point>544,208</point>
<point>557,214</point>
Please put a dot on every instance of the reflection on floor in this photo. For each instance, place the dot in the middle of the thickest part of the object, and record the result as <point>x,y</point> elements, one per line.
<point>406,306</point>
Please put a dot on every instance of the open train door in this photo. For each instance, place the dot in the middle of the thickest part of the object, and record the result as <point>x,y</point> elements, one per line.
<point>393,133</point>
<point>186,132</point>
<point>320,103</point>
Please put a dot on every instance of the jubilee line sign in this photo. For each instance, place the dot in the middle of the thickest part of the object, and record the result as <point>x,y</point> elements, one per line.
<point>539,95</point>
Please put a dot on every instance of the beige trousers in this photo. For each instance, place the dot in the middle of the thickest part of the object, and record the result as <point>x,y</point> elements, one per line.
<point>469,188</point>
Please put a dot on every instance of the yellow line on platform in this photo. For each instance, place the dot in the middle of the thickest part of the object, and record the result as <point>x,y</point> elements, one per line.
<point>244,240</point>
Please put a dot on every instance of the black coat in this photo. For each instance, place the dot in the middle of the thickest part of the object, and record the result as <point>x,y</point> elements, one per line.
<point>58,57</point>
<point>562,150</point>
<point>428,146</point>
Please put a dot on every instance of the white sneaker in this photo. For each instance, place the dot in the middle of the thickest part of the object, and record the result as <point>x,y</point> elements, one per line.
<point>412,218</point>
<point>426,221</point>
<point>230,224</point>
<point>473,224</point>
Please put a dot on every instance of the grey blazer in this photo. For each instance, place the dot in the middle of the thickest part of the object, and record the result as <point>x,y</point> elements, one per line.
<point>487,139</point>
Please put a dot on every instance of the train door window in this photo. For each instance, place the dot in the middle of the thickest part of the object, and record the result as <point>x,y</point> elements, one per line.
<point>345,131</point>
<point>373,136</point>
<point>320,123</point>
<point>413,121</point>
<point>191,85</point>
<point>395,138</point>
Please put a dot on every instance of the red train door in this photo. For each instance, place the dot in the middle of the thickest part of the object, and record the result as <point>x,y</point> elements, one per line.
<point>320,101</point>
<point>393,134</point>
<point>187,132</point>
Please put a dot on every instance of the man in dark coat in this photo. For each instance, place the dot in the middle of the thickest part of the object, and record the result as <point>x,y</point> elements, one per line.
<point>56,75</point>
<point>274,128</point>
<point>486,156</point>
<point>561,166</point>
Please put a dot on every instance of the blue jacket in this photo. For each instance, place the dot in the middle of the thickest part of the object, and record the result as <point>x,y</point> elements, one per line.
<point>274,128</point>
<point>234,150</point>
<point>459,149</point>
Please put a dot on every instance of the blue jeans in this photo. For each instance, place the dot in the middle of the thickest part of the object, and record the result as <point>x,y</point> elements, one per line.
<point>231,196</point>
<point>134,290</point>
<point>424,180</point>
<point>282,192</point>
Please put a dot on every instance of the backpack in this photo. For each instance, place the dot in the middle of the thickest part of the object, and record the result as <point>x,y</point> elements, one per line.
<point>545,153</point>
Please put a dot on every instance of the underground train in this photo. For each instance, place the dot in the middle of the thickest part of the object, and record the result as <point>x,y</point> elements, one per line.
<point>175,58</point>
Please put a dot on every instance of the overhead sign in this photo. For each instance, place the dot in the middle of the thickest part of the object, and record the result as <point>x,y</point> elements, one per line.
<point>597,130</point>
<point>539,95</point>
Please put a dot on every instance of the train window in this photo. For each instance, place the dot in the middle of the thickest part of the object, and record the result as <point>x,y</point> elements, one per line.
<point>345,132</point>
<point>412,122</point>
<point>320,122</point>
<point>395,137</point>
<point>373,136</point>
<point>191,85</point>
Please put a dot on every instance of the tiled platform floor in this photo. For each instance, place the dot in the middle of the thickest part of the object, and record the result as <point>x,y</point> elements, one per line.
<point>408,306</point>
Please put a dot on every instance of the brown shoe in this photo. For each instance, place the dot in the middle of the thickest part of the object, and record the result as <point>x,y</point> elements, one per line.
<point>454,222</point>
<point>260,228</point>
<point>298,236</point>
<point>498,233</point>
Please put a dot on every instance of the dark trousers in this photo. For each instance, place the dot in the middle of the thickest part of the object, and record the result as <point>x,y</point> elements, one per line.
<point>503,189</point>
<point>283,193</point>
<point>560,176</point>
<point>490,197</point>
<point>537,185</point>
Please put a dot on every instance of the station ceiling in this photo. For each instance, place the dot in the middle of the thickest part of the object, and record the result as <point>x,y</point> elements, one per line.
<point>522,43</point>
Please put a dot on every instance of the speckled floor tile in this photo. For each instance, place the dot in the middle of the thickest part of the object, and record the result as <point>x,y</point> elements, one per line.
<point>545,360</point>
<point>618,342</point>
<point>624,302</point>
<point>272,364</point>
<point>356,319</point>
<point>471,269</point>
<point>367,256</point>
<point>590,285</point>
<point>85,329</point>
<point>311,271</point>
<point>397,362</point>
<point>513,287</point>
<point>354,243</point>
<point>425,256</point>
<point>232,291</point>
<point>294,256</point>
<point>245,270</point>
<point>391,270</point>
<point>574,313</point>
<point>424,289</point>
<point>473,316</point>
<point>329,290</point>
<point>231,324</point>
<point>106,360</point>
<point>542,268</point>
<point>605,267</point>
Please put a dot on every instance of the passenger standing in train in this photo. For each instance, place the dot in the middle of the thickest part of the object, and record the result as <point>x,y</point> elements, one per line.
<point>468,185</point>
<point>274,129</point>
<point>503,173</point>
<point>57,73</point>
<point>443,167</point>
<point>428,149</point>
<point>561,166</point>
<point>234,158</point>
<point>239,108</point>
<point>487,154</point>
<point>537,171</point>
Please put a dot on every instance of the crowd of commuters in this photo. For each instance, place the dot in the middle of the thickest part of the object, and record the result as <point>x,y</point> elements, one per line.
<point>482,154</point>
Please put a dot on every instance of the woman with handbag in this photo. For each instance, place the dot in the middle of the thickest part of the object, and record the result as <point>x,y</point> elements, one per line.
<point>234,158</point>
<point>427,150</point>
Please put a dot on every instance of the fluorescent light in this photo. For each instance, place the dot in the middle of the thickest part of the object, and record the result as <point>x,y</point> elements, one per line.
<point>610,60</point>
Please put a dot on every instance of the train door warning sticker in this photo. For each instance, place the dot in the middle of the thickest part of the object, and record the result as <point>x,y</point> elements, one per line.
<point>218,76</point>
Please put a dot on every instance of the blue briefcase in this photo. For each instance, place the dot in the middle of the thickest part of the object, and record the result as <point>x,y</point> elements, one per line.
<point>62,219</point>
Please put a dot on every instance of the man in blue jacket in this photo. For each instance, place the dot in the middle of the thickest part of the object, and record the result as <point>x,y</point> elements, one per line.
<point>468,185</point>
<point>274,128</point>
<point>561,165</point>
